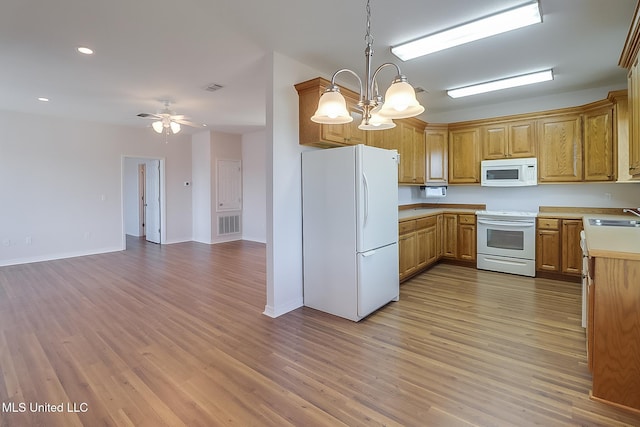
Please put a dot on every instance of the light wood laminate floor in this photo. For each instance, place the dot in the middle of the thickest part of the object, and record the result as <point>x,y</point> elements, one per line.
<point>174,335</point>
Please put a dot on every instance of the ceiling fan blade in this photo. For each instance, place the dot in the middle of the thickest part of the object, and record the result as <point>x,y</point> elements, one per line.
<point>149,116</point>
<point>177,117</point>
<point>187,122</point>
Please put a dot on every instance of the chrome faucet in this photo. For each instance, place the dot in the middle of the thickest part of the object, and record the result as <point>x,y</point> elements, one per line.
<point>633,211</point>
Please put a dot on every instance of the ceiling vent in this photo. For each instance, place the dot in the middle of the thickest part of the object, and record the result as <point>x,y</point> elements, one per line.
<point>213,87</point>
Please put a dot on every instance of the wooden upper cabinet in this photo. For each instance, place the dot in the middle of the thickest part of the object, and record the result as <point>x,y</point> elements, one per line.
<point>436,150</point>
<point>464,155</point>
<point>633,104</point>
<point>408,138</point>
<point>560,149</point>
<point>599,146</point>
<point>629,60</point>
<point>325,136</point>
<point>412,155</point>
<point>504,140</point>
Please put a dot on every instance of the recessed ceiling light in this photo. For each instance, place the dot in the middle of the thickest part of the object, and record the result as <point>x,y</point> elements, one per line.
<point>522,80</point>
<point>85,50</point>
<point>498,23</point>
<point>43,99</point>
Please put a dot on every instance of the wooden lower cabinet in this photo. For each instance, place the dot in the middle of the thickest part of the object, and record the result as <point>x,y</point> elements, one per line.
<point>450,238</point>
<point>419,245</point>
<point>614,331</point>
<point>466,238</point>
<point>558,246</point>
<point>407,249</point>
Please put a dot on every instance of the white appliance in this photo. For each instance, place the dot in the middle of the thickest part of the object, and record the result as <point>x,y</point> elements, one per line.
<point>350,229</point>
<point>509,172</point>
<point>507,242</point>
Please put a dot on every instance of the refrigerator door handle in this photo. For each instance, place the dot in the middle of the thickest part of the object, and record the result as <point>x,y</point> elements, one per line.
<point>366,198</point>
<point>368,253</point>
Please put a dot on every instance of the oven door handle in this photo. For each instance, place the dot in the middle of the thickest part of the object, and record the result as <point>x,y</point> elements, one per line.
<point>525,224</point>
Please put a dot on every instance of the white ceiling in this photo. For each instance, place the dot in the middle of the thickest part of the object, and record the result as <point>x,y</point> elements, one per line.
<point>148,51</point>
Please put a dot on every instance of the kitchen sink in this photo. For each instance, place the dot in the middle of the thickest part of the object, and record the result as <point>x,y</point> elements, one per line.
<point>615,222</point>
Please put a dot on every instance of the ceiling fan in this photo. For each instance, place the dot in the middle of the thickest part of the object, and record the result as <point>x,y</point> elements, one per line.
<point>167,121</point>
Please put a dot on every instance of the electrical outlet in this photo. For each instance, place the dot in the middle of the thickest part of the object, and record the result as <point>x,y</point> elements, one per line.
<point>607,196</point>
<point>27,240</point>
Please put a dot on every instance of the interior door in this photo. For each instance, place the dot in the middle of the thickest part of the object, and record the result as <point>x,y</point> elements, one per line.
<point>152,200</point>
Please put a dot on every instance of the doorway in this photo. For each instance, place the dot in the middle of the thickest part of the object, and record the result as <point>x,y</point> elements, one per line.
<point>143,215</point>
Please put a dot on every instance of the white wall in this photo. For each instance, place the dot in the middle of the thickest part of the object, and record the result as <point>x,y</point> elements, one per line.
<point>531,198</point>
<point>131,197</point>
<point>61,185</point>
<point>284,198</point>
<point>201,186</point>
<point>254,187</point>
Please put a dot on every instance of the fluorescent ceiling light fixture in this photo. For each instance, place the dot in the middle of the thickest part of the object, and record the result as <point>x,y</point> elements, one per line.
<point>502,22</point>
<point>43,99</point>
<point>85,50</point>
<point>522,80</point>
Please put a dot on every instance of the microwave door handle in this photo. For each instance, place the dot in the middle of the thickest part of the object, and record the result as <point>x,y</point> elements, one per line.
<point>506,223</point>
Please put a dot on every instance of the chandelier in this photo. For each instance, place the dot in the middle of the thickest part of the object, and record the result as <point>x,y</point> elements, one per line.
<point>399,101</point>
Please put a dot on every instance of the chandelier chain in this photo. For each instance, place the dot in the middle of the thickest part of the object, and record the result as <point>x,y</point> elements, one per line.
<point>368,38</point>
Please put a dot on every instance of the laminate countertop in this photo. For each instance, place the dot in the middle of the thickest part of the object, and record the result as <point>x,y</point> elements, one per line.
<point>612,241</point>
<point>408,214</point>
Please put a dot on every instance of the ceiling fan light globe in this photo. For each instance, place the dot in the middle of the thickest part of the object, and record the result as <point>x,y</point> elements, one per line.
<point>175,127</point>
<point>157,126</point>
<point>332,109</point>
<point>400,102</point>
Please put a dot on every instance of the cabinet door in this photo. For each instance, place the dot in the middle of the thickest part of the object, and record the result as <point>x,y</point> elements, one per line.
<point>412,157</point>
<point>560,149</point>
<point>355,135</point>
<point>634,120</point>
<point>334,133</point>
<point>521,141</point>
<point>548,250</point>
<point>439,237</point>
<point>598,145</point>
<point>467,242</point>
<point>436,155</point>
<point>494,142</point>
<point>418,156</point>
<point>464,156</point>
<point>431,234</point>
<point>422,248</point>
<point>571,251</point>
<point>407,253</point>
<point>450,238</point>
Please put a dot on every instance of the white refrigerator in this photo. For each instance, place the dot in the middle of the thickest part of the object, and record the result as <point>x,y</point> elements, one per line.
<point>350,229</point>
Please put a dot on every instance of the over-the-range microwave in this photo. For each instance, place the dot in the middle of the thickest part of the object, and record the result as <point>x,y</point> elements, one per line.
<point>509,172</point>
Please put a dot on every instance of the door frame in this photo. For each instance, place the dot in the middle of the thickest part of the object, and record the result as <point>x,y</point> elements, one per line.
<point>125,184</point>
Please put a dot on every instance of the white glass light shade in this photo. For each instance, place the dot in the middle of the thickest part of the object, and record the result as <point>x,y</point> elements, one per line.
<point>400,102</point>
<point>332,109</point>
<point>157,126</point>
<point>175,127</point>
<point>377,122</point>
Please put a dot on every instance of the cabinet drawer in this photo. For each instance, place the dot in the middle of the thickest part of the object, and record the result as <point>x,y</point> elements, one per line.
<point>426,222</point>
<point>407,226</point>
<point>549,223</point>
<point>466,219</point>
